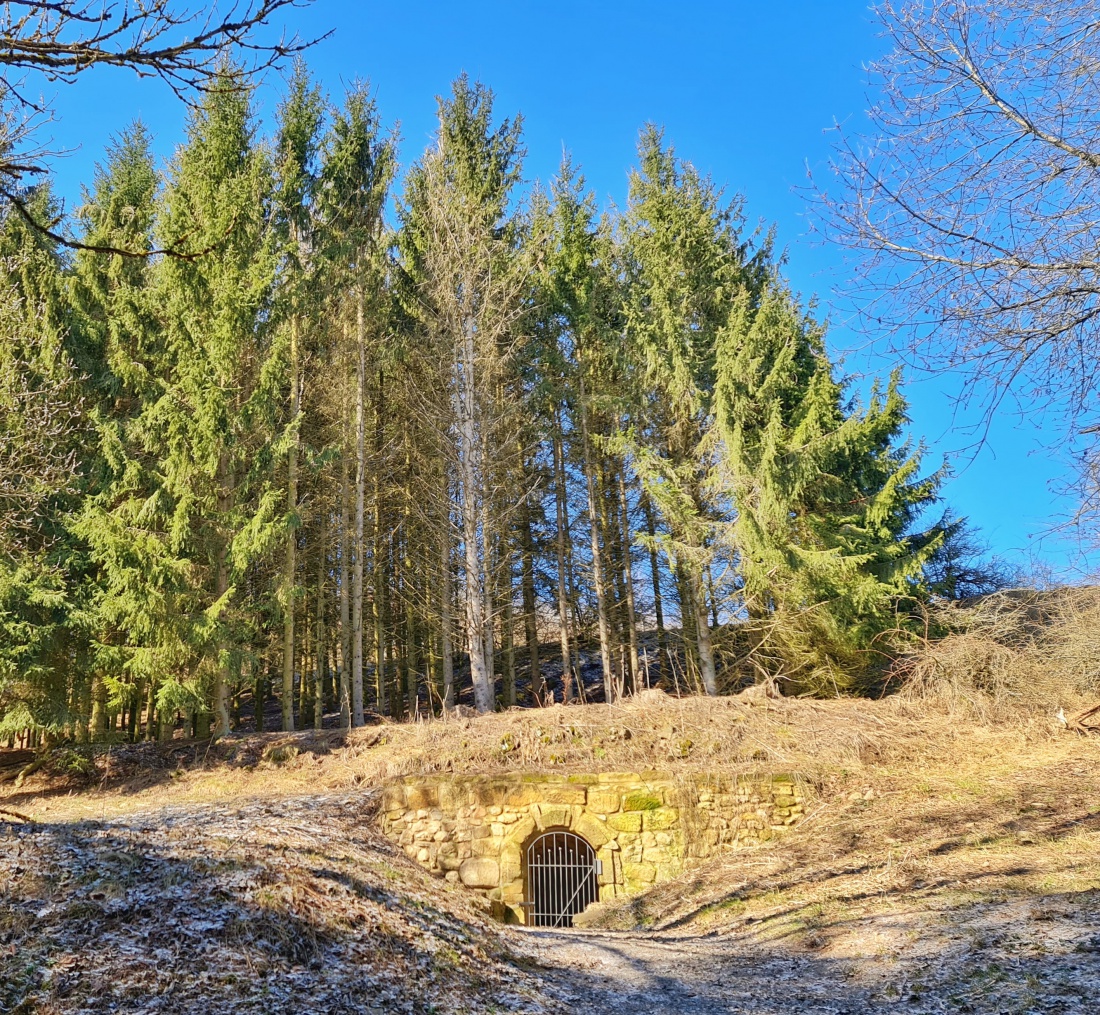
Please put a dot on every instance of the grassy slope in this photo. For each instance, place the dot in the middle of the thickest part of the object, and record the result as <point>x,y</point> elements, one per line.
<point>937,845</point>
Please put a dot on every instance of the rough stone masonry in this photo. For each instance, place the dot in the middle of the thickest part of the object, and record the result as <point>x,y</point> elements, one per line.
<point>645,827</point>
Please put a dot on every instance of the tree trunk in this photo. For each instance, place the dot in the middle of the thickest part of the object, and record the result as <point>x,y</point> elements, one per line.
<point>150,707</point>
<point>221,683</point>
<point>471,499</point>
<point>446,641</point>
<point>530,617</point>
<point>98,723</point>
<point>561,510</point>
<point>319,637</point>
<point>597,561</point>
<point>508,639</point>
<point>289,571</point>
<point>345,598</point>
<point>628,579</point>
<point>379,556</point>
<point>259,696</point>
<point>357,717</point>
<point>702,634</point>
<point>655,575</point>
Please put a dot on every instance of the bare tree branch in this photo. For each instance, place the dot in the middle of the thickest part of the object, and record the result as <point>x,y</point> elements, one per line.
<point>972,199</point>
<point>60,40</point>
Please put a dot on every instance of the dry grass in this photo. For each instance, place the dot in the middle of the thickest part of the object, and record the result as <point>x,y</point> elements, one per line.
<point>814,739</point>
<point>1010,655</point>
<point>954,827</point>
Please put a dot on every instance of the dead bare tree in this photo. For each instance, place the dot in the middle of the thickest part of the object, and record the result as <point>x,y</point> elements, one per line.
<point>973,199</point>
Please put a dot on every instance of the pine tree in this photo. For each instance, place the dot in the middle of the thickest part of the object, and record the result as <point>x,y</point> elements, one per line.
<point>205,442</point>
<point>684,264</point>
<point>826,498</point>
<point>300,118</point>
<point>460,248</point>
<point>359,165</point>
<point>41,448</point>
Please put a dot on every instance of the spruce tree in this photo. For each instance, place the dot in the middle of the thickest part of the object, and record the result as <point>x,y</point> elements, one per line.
<point>684,264</point>
<point>826,496</point>
<point>461,252</point>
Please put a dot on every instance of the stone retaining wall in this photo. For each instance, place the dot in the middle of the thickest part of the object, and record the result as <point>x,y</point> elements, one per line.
<point>645,827</point>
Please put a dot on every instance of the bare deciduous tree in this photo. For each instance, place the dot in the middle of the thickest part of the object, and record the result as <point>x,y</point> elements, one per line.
<point>973,198</point>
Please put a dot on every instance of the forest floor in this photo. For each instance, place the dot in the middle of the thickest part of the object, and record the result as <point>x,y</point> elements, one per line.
<point>947,864</point>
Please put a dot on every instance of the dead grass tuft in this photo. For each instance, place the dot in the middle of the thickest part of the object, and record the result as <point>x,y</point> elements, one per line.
<point>1010,656</point>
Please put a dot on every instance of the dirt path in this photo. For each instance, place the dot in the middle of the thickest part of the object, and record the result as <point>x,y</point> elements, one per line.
<point>695,975</point>
<point>663,973</point>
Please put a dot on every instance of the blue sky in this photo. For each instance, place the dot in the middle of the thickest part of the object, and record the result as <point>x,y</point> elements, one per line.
<point>748,92</point>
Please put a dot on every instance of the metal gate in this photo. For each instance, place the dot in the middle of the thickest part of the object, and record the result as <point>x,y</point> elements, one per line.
<point>562,878</point>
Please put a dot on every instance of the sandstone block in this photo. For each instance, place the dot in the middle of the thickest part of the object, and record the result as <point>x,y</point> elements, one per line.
<point>522,796</point>
<point>625,822</point>
<point>420,797</point>
<point>601,801</point>
<point>660,819</point>
<point>643,872</point>
<point>479,872</point>
<point>563,794</point>
<point>550,815</point>
<point>485,847</point>
<point>643,800</point>
<point>393,798</point>
<point>522,829</point>
<point>594,830</point>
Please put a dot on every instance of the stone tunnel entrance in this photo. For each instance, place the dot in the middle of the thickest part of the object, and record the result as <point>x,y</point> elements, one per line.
<point>561,878</point>
<point>541,847</point>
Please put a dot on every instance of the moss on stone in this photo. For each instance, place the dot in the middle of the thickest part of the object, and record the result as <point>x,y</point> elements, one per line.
<point>643,800</point>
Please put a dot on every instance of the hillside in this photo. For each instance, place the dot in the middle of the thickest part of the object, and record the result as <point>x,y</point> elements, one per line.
<point>944,860</point>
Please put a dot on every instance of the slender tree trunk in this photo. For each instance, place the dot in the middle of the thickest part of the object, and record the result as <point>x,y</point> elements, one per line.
<point>259,696</point>
<point>655,575</point>
<point>527,578</point>
<point>357,716</point>
<point>345,598</point>
<point>379,556</point>
<point>702,634</point>
<point>150,707</point>
<point>688,637</point>
<point>98,722</point>
<point>471,498</point>
<point>289,569</point>
<point>628,579</point>
<point>561,511</point>
<point>508,637</point>
<point>412,661</point>
<point>319,637</point>
<point>221,682</point>
<point>446,641</point>
<point>597,560</point>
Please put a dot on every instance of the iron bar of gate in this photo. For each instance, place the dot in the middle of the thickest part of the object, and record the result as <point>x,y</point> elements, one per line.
<point>561,876</point>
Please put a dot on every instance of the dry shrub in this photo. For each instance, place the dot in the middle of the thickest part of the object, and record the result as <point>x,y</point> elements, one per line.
<point>1012,653</point>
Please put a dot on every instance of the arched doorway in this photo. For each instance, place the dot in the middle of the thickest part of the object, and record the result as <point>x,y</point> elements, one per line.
<point>561,878</point>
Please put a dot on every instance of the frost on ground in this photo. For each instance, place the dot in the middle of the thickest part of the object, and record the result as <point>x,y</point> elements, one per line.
<point>289,907</point>
<point>946,865</point>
